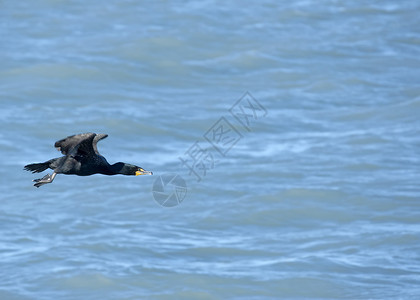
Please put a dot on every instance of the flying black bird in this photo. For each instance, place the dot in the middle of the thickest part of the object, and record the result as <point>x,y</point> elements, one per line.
<point>81,158</point>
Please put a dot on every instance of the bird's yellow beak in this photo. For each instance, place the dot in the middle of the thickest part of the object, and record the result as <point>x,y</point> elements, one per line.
<point>143,172</point>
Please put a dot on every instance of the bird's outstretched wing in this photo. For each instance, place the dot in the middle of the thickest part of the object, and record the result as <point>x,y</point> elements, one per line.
<point>79,144</point>
<point>97,138</point>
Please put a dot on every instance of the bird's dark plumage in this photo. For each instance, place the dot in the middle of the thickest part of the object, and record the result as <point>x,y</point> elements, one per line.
<point>81,157</point>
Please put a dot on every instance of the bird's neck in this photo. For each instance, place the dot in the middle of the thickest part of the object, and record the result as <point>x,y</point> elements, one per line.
<point>117,168</point>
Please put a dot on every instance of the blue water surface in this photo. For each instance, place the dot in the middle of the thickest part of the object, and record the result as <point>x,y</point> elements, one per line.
<point>294,125</point>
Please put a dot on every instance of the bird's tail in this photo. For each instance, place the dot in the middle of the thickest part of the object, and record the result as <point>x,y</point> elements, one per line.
<point>37,168</point>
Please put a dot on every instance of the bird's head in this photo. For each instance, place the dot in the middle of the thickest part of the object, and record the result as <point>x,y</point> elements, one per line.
<point>141,171</point>
<point>128,169</point>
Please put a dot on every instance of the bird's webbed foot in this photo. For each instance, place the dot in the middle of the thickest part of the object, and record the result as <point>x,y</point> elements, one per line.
<point>44,180</point>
